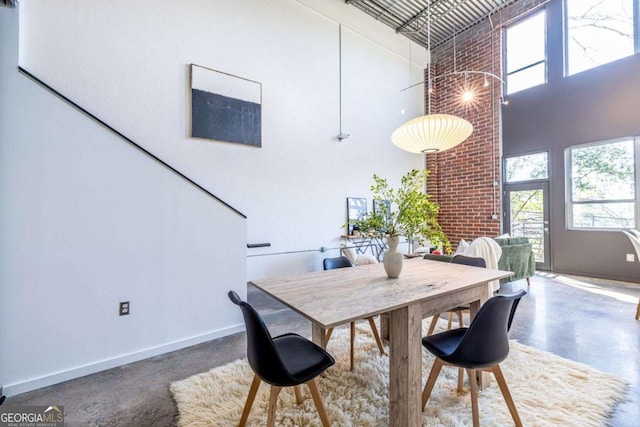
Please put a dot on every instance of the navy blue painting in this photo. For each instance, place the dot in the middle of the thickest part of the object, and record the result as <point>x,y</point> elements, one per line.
<point>225,107</point>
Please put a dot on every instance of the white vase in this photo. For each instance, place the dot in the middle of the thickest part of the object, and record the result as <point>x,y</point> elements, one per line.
<point>393,258</point>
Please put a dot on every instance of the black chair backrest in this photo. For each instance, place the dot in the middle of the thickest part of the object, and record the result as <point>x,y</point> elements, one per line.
<point>261,352</point>
<point>480,262</point>
<point>513,311</point>
<point>339,262</point>
<point>468,260</point>
<point>486,342</point>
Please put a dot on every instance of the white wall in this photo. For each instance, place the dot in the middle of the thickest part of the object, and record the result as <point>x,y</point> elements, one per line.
<point>86,221</point>
<point>127,62</point>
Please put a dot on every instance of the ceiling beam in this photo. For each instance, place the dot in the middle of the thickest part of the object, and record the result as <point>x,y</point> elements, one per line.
<point>375,8</point>
<point>418,15</point>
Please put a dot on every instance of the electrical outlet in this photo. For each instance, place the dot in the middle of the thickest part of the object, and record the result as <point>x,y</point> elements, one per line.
<point>125,308</point>
<point>631,258</point>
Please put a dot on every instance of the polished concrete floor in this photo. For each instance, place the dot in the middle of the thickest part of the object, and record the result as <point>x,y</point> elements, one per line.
<point>585,320</point>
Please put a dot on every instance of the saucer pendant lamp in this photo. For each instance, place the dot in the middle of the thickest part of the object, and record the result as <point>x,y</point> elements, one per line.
<point>431,133</point>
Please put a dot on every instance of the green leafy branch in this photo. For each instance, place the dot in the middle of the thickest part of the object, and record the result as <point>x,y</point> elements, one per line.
<point>405,211</point>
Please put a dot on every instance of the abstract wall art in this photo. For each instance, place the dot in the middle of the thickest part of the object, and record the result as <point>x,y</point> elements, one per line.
<point>225,107</point>
<point>356,209</point>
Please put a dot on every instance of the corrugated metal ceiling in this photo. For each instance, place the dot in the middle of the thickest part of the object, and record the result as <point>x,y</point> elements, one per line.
<point>409,17</point>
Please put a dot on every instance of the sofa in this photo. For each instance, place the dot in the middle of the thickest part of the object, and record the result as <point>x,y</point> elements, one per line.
<point>517,256</point>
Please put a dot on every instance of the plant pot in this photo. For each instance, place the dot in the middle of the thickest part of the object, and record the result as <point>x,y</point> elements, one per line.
<point>393,258</point>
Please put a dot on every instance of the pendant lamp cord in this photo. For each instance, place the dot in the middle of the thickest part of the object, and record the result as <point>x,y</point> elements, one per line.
<point>340,76</point>
<point>430,89</point>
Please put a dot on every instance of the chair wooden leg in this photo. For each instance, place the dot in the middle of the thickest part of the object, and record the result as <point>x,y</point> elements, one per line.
<point>638,310</point>
<point>460,379</point>
<point>250,398</point>
<point>353,338</point>
<point>474,397</point>
<point>329,332</point>
<point>296,390</point>
<point>528,282</point>
<point>431,381</point>
<point>273,403</point>
<point>374,329</point>
<point>434,322</point>
<point>507,395</point>
<point>313,388</point>
<point>450,323</point>
<point>460,321</point>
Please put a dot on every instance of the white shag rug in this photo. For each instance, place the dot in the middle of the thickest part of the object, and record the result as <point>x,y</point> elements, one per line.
<point>547,390</point>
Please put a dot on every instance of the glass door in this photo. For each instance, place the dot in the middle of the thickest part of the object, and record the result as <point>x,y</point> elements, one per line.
<point>527,215</point>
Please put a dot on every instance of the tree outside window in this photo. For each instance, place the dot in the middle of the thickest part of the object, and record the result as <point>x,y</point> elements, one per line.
<point>526,168</point>
<point>598,32</point>
<point>602,185</point>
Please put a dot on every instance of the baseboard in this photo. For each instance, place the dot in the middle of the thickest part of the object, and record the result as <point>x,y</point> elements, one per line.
<point>92,368</point>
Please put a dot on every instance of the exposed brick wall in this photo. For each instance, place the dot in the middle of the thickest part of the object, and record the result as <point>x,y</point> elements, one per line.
<point>463,179</point>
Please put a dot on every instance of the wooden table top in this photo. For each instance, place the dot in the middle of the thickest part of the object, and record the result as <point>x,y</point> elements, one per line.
<point>334,297</point>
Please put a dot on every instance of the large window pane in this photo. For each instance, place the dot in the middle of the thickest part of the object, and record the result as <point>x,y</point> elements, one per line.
<point>525,43</point>
<point>602,185</point>
<point>598,32</point>
<point>527,168</point>
<point>603,172</point>
<point>526,53</point>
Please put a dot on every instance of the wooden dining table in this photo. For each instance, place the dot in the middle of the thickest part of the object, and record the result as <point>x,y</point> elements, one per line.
<point>335,297</point>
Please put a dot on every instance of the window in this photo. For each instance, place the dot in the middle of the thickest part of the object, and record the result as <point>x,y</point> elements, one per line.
<point>601,185</point>
<point>526,168</point>
<point>598,32</point>
<point>525,59</point>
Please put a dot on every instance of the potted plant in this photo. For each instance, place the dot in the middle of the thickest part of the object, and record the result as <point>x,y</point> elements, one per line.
<point>406,211</point>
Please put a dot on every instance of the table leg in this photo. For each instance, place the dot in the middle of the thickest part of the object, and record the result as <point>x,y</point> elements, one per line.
<point>319,335</point>
<point>405,367</point>
<point>384,327</point>
<point>475,305</point>
<point>473,309</point>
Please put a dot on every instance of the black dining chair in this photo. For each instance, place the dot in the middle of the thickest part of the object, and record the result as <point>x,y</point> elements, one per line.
<point>338,262</point>
<point>480,347</point>
<point>469,260</point>
<point>287,360</point>
<point>458,311</point>
<point>342,262</point>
